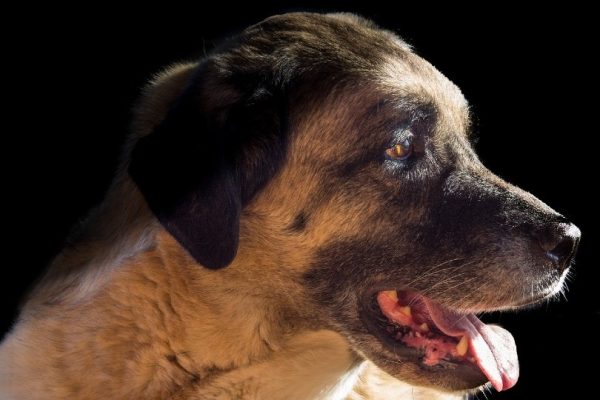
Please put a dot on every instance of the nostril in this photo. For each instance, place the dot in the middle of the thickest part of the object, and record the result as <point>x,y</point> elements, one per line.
<point>560,243</point>
<point>563,250</point>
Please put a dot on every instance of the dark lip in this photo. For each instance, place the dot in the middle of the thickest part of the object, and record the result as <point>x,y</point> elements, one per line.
<point>525,303</point>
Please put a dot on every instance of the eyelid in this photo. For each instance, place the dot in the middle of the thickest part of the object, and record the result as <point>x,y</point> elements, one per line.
<point>407,141</point>
<point>405,137</point>
<point>403,134</point>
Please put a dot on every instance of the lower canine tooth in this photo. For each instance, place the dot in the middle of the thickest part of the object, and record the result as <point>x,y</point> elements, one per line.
<point>424,327</point>
<point>406,311</point>
<point>462,346</point>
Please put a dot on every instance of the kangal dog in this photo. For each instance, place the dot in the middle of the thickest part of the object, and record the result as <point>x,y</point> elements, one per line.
<point>298,215</point>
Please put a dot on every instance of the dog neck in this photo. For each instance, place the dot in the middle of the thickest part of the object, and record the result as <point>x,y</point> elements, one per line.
<point>260,343</point>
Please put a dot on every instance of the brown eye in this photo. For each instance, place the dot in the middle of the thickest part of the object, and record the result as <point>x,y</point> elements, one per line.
<point>400,151</point>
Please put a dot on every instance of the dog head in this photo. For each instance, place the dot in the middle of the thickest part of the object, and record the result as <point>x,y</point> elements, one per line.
<point>325,145</point>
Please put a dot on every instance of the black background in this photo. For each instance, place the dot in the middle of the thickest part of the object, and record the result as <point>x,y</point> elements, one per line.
<point>73,75</point>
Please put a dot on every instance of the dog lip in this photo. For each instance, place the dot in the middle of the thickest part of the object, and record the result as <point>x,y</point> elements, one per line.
<point>526,303</point>
<point>534,301</point>
<point>537,299</point>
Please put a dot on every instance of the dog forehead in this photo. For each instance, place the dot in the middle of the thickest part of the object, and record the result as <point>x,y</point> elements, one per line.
<point>341,68</point>
<point>375,59</point>
<point>413,79</point>
<point>367,112</point>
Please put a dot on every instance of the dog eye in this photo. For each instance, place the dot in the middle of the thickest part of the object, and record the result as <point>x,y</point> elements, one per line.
<point>400,151</point>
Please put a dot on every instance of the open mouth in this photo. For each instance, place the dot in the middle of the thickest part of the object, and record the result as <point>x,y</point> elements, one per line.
<point>435,337</point>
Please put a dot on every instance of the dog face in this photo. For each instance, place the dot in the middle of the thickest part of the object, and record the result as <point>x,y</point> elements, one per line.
<point>328,147</point>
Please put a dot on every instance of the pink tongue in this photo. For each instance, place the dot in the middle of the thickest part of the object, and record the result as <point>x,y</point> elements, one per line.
<point>493,347</point>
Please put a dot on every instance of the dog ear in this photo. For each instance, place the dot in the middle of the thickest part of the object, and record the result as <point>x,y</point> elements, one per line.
<point>205,161</point>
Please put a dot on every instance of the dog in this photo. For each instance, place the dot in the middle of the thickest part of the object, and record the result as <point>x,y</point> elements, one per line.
<point>298,215</point>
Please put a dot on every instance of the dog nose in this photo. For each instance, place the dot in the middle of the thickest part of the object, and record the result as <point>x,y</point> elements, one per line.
<point>559,242</point>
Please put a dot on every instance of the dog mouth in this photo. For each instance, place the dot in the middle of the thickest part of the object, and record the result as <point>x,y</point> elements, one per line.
<point>436,338</point>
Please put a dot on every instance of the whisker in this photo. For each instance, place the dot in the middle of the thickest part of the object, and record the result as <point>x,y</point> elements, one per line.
<point>433,269</point>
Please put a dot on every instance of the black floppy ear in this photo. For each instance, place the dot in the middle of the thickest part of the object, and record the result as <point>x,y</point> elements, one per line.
<point>192,168</point>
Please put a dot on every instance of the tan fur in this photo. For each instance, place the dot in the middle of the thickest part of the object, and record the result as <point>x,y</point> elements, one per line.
<point>373,383</point>
<point>163,313</point>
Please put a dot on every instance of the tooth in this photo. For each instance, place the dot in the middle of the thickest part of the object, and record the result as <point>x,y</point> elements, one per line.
<point>405,310</point>
<point>391,294</point>
<point>424,327</point>
<point>462,346</point>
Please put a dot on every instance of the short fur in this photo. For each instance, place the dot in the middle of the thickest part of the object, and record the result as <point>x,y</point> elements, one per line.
<point>262,217</point>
